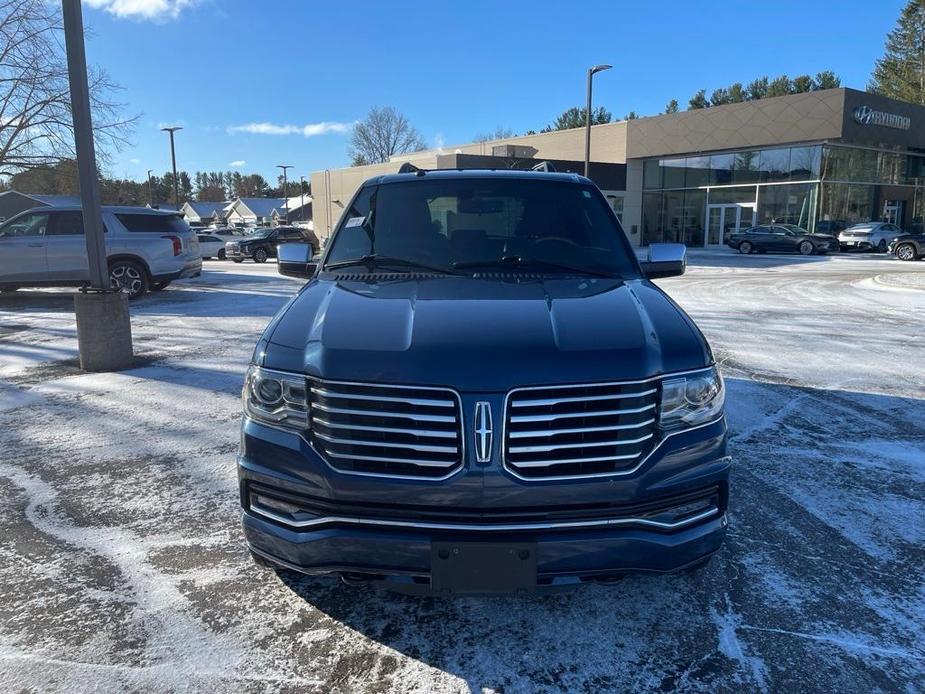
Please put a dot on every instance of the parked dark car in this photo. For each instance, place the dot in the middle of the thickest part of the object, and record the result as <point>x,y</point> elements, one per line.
<point>781,238</point>
<point>908,246</point>
<point>262,244</point>
<point>478,390</point>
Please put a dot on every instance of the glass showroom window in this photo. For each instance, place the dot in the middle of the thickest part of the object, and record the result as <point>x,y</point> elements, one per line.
<point>847,203</point>
<point>651,174</point>
<point>774,165</point>
<point>698,171</point>
<point>745,167</point>
<point>616,202</point>
<point>805,163</point>
<point>652,218</point>
<point>788,204</point>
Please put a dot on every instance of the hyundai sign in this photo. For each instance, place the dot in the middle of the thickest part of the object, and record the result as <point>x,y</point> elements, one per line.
<point>865,115</point>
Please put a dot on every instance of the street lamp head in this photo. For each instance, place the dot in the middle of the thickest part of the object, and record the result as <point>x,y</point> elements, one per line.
<point>600,68</point>
<point>171,128</point>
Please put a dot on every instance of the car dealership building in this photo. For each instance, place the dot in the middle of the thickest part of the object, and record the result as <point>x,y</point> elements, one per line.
<point>821,160</point>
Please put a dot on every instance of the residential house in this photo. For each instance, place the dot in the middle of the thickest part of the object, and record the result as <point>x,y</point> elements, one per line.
<point>12,202</point>
<point>205,213</point>
<point>245,212</point>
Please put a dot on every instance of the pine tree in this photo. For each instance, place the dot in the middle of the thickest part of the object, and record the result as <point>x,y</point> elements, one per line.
<point>671,106</point>
<point>900,73</point>
<point>699,100</point>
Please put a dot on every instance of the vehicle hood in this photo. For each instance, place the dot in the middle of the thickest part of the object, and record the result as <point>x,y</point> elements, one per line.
<point>909,237</point>
<point>824,237</point>
<point>482,335</point>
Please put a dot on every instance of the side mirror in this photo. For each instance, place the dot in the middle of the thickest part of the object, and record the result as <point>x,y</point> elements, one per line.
<point>295,260</point>
<point>665,260</point>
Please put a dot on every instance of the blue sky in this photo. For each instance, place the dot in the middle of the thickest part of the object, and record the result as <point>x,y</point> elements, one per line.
<point>256,83</point>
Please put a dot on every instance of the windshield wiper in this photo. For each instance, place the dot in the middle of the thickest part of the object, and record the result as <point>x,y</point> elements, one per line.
<point>372,259</point>
<point>523,262</point>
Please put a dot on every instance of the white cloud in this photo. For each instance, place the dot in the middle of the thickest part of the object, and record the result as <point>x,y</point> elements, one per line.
<point>134,161</point>
<point>237,163</point>
<point>309,130</point>
<point>156,10</point>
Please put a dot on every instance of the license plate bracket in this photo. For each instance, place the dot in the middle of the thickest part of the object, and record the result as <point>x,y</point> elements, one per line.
<point>482,567</point>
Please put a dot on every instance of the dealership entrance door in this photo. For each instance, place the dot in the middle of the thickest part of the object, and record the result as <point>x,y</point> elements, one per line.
<point>727,219</point>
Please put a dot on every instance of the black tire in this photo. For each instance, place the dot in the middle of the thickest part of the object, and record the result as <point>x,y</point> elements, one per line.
<point>221,254</point>
<point>238,260</point>
<point>260,255</point>
<point>906,251</point>
<point>881,247</point>
<point>159,286</point>
<point>745,248</point>
<point>806,248</point>
<point>130,277</point>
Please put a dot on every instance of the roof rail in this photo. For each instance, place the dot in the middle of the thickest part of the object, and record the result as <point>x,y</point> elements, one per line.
<point>544,166</point>
<point>408,167</point>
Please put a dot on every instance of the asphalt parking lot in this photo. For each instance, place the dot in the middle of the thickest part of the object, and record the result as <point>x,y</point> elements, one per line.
<point>122,564</point>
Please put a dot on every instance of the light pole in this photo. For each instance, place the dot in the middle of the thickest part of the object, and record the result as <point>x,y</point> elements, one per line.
<point>150,190</point>
<point>302,193</point>
<point>285,167</point>
<point>104,330</point>
<point>591,72</point>
<point>173,160</point>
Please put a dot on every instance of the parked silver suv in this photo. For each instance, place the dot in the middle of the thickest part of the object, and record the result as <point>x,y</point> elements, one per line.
<point>147,249</point>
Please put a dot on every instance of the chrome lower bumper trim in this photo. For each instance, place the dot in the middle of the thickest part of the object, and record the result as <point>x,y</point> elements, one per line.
<point>492,527</point>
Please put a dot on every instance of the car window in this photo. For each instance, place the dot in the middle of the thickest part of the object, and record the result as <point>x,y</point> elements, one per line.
<point>153,223</point>
<point>66,224</point>
<point>448,222</point>
<point>27,225</point>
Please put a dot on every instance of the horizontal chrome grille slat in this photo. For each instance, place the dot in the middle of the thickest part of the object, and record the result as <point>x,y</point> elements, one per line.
<point>566,461</point>
<point>434,433</point>
<point>520,418</point>
<point>395,415</point>
<point>582,444</point>
<point>385,444</point>
<point>421,402</point>
<point>385,459</point>
<point>385,430</point>
<point>578,430</point>
<point>545,402</point>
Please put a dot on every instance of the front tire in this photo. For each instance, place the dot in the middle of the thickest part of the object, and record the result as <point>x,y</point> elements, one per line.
<point>260,256</point>
<point>238,260</point>
<point>221,254</point>
<point>745,247</point>
<point>905,251</point>
<point>128,276</point>
<point>807,248</point>
<point>881,247</point>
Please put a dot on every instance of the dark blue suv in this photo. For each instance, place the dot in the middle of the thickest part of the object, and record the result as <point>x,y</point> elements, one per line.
<point>480,390</point>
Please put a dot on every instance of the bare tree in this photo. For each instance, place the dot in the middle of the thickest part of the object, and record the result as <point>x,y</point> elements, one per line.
<point>35,107</point>
<point>498,133</point>
<point>384,132</point>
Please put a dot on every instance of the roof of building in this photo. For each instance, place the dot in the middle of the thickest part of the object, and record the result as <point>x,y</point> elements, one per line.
<point>208,209</point>
<point>47,199</point>
<point>261,207</point>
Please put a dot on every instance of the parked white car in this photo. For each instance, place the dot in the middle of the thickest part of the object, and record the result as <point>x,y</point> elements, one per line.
<point>870,236</point>
<point>212,244</point>
<point>146,249</point>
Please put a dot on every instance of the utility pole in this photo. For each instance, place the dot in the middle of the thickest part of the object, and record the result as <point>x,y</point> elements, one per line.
<point>173,160</point>
<point>302,193</point>
<point>591,72</point>
<point>285,167</point>
<point>104,330</point>
<point>150,190</point>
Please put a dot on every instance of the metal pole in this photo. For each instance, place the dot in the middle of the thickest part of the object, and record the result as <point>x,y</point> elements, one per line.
<point>588,125</point>
<point>284,167</point>
<point>302,193</point>
<point>150,190</point>
<point>591,72</point>
<point>173,160</point>
<point>83,141</point>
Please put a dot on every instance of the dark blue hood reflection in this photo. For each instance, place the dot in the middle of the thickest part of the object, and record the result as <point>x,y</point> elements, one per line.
<point>483,335</point>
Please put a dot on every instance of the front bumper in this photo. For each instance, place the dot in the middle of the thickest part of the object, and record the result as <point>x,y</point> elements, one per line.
<point>244,252</point>
<point>384,531</point>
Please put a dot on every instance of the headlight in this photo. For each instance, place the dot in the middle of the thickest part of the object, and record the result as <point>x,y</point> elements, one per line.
<point>693,399</point>
<point>276,398</point>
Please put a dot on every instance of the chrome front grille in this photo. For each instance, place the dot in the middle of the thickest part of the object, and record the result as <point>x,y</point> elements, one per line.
<point>387,430</point>
<point>571,431</point>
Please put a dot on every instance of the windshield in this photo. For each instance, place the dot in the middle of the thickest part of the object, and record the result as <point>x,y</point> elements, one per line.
<point>861,227</point>
<point>259,233</point>
<point>486,225</point>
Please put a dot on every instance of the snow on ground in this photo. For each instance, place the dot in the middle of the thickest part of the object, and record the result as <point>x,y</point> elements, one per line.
<point>122,564</point>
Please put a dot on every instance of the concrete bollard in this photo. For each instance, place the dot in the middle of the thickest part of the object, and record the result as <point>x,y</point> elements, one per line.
<point>104,331</point>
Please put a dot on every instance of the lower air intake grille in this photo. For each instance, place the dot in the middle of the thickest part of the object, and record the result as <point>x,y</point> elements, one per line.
<point>571,431</point>
<point>387,430</point>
